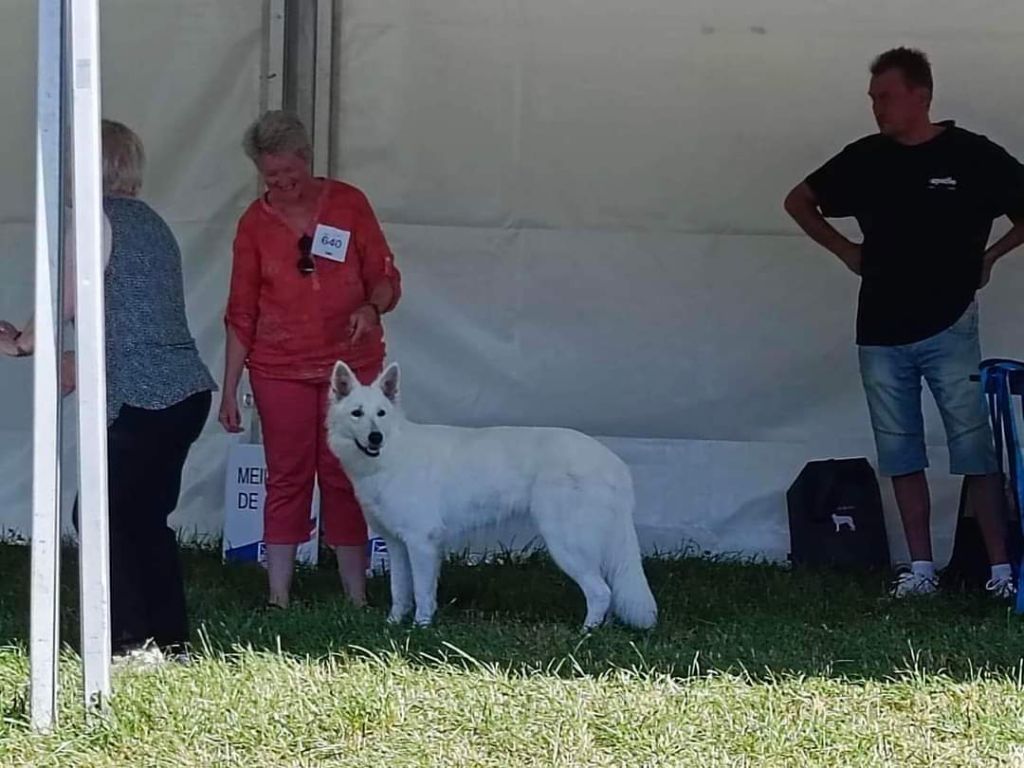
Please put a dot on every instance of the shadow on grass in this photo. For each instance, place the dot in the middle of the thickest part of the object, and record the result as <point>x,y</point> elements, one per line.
<point>524,614</point>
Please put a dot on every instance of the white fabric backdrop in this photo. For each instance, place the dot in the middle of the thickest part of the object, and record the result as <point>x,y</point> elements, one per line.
<point>185,76</point>
<point>585,201</point>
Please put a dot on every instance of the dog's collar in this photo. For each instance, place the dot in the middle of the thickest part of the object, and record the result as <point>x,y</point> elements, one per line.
<point>367,451</point>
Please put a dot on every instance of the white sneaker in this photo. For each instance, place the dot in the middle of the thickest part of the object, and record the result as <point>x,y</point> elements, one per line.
<point>1002,589</point>
<point>146,656</point>
<point>910,584</point>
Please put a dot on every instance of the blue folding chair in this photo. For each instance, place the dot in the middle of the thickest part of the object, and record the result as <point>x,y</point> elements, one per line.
<point>1002,380</point>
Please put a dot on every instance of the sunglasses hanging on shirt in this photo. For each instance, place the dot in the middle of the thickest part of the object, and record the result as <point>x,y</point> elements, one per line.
<point>306,264</point>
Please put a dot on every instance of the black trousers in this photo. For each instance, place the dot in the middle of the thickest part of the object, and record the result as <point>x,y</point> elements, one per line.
<point>146,452</point>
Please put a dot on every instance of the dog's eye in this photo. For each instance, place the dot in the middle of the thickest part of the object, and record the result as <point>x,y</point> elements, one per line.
<point>381,413</point>
<point>357,413</point>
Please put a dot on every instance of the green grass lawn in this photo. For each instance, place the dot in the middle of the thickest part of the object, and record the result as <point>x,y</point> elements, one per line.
<point>751,665</point>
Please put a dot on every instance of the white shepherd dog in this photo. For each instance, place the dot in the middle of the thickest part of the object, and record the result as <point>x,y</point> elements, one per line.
<point>418,484</point>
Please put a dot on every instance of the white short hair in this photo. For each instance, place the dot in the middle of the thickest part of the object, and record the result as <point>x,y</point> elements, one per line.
<point>274,133</point>
<point>124,160</point>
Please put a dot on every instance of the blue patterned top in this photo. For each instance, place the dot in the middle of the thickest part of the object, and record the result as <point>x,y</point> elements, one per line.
<point>152,360</point>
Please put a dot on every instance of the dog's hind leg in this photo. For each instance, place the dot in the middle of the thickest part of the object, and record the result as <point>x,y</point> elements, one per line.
<point>401,581</point>
<point>425,563</point>
<point>584,571</point>
<point>572,542</point>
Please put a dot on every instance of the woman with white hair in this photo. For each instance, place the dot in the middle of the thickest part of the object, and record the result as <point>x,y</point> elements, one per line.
<point>312,275</point>
<point>158,399</point>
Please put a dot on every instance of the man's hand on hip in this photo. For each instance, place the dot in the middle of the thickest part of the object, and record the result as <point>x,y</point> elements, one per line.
<point>986,272</point>
<point>851,257</point>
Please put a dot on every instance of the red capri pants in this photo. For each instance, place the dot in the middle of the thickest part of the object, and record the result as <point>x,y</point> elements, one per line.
<point>293,416</point>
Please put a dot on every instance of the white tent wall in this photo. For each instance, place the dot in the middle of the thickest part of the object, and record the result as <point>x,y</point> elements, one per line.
<point>585,199</point>
<point>186,76</point>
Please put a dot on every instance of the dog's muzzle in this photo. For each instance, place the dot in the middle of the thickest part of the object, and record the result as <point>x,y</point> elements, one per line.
<point>375,440</point>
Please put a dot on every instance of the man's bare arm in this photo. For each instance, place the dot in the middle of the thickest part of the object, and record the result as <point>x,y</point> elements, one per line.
<point>802,205</point>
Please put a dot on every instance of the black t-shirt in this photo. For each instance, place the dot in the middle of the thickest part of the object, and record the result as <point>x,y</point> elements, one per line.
<point>926,212</point>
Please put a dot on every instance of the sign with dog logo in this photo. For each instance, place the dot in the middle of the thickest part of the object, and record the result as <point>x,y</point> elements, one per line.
<point>377,555</point>
<point>244,494</point>
<point>330,243</point>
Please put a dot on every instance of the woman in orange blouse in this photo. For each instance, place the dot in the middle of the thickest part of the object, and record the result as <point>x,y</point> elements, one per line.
<point>312,275</point>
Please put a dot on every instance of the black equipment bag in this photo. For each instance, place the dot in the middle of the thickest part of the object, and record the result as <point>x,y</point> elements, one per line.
<point>835,516</point>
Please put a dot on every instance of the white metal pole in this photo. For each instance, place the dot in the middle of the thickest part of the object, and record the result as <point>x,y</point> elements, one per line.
<point>92,385</point>
<point>273,62</point>
<point>46,443</point>
<point>322,81</point>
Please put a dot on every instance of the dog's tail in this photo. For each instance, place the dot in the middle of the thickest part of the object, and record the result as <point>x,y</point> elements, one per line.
<point>632,600</point>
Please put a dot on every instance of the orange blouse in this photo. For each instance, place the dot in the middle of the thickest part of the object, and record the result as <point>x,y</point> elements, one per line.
<point>296,326</point>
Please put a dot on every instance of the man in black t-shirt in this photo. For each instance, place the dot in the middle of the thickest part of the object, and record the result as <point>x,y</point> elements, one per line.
<point>925,196</point>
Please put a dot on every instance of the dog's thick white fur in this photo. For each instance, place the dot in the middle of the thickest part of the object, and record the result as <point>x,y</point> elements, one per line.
<point>420,483</point>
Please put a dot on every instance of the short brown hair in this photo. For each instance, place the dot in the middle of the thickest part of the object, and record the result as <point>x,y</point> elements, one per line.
<point>274,132</point>
<point>911,62</point>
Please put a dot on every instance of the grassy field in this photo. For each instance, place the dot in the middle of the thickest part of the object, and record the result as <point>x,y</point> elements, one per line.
<point>751,666</point>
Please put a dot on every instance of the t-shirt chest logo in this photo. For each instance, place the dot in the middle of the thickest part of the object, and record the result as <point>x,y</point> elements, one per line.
<point>947,183</point>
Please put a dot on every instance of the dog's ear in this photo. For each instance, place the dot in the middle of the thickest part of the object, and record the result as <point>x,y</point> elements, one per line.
<point>343,381</point>
<point>388,382</point>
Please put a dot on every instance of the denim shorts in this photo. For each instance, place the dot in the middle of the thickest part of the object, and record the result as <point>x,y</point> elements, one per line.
<point>892,381</point>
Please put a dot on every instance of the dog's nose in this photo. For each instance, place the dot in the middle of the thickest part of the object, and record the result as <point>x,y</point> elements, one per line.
<point>375,438</point>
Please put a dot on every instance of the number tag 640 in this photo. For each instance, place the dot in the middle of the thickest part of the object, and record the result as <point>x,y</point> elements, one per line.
<point>330,242</point>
